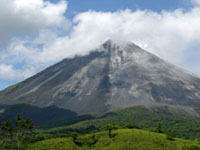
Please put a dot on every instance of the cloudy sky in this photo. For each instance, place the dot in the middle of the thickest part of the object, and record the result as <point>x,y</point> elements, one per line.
<point>35,34</point>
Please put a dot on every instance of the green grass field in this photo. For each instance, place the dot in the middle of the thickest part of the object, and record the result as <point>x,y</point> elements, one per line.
<point>122,139</point>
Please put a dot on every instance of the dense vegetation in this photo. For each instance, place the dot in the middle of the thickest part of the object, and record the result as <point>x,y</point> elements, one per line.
<point>44,118</point>
<point>135,128</point>
<point>179,123</point>
<point>16,135</point>
<point>174,122</point>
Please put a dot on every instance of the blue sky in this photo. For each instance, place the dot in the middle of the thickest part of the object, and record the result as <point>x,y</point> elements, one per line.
<point>35,34</point>
<point>113,5</point>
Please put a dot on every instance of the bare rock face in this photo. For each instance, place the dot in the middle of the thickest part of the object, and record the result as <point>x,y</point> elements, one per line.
<point>114,76</point>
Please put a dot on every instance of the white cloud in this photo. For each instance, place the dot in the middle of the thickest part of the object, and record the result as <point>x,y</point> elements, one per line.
<point>7,72</point>
<point>166,34</point>
<point>25,17</point>
<point>20,20</point>
<point>169,34</point>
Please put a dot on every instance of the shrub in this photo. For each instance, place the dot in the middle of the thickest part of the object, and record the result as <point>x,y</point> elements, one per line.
<point>170,137</point>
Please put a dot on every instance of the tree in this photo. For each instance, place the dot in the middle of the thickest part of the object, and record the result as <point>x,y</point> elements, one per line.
<point>16,135</point>
<point>159,128</point>
<point>6,135</point>
<point>129,126</point>
<point>109,128</point>
<point>94,139</point>
<point>74,136</point>
<point>24,130</point>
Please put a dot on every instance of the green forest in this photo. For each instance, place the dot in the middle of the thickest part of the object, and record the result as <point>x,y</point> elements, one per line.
<point>135,128</point>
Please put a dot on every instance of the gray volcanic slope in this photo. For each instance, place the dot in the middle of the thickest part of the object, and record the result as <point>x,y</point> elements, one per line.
<point>111,77</point>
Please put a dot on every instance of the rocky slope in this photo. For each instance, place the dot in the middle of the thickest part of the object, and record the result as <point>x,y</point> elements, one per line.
<point>111,77</point>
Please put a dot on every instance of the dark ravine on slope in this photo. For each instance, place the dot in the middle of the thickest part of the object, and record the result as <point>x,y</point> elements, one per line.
<point>112,77</point>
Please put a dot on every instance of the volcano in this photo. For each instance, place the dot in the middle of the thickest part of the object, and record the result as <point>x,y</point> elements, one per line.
<point>113,76</point>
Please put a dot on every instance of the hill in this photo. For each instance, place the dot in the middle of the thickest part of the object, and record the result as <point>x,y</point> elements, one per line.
<point>122,139</point>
